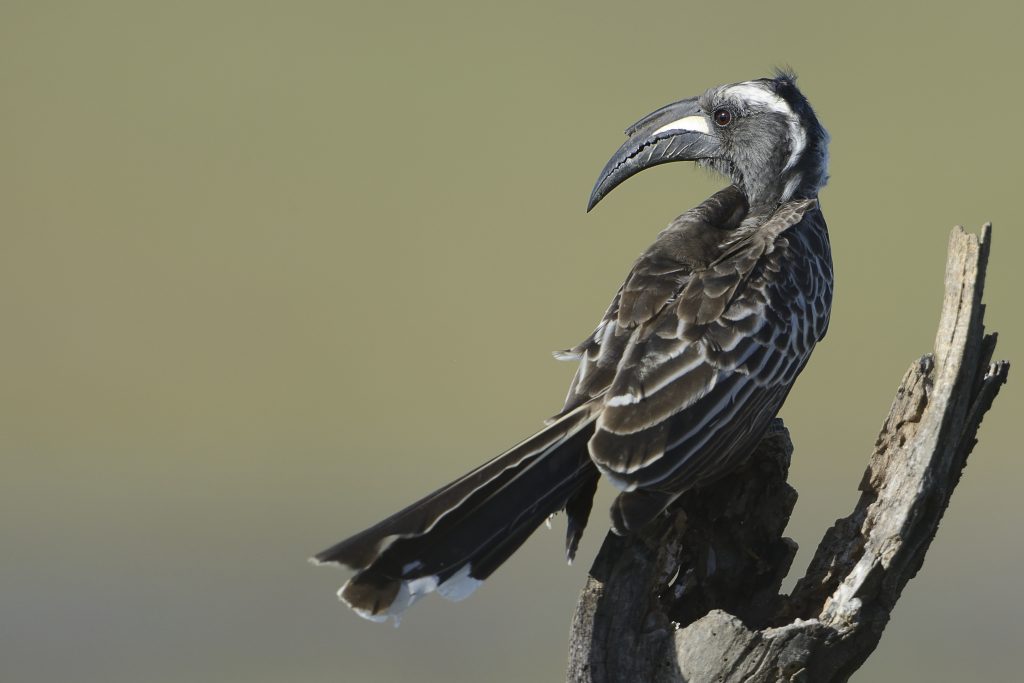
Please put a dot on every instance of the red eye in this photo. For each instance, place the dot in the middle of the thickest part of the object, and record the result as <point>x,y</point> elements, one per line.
<point>723,117</point>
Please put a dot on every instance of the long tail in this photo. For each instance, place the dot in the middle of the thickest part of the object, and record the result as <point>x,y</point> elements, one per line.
<point>453,539</point>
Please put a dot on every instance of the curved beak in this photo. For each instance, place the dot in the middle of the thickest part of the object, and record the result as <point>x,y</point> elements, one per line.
<point>677,132</point>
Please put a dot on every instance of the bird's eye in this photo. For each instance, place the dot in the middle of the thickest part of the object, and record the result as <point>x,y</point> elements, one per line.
<point>723,117</point>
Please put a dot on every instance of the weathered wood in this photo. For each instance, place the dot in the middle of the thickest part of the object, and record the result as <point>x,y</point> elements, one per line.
<point>696,597</point>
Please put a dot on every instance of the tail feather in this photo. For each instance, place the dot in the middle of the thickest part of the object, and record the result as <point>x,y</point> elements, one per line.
<point>577,510</point>
<point>457,536</point>
<point>574,472</point>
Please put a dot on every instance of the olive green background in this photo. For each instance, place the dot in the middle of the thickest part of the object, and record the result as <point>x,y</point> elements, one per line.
<point>269,271</point>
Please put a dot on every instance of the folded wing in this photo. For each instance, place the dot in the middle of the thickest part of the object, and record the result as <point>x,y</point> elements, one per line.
<point>696,356</point>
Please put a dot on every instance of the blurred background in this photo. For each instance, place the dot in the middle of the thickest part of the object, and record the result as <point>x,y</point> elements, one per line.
<point>269,271</point>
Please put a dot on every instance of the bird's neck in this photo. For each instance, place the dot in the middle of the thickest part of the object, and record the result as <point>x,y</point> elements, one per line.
<point>780,179</point>
<point>769,190</point>
<point>775,189</point>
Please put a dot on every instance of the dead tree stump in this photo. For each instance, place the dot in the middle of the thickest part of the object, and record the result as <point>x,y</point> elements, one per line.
<point>696,598</point>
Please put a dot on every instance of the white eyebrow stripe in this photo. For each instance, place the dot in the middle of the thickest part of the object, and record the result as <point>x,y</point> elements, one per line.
<point>696,124</point>
<point>791,186</point>
<point>757,94</point>
<point>797,140</point>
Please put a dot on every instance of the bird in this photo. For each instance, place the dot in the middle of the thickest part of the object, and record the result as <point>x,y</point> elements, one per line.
<point>680,379</point>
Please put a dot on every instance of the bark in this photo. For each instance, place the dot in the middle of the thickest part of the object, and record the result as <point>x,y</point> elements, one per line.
<point>696,597</point>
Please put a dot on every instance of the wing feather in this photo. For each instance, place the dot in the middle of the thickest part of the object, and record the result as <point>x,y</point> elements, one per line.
<point>702,376</point>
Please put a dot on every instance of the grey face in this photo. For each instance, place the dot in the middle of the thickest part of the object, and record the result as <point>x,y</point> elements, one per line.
<point>761,134</point>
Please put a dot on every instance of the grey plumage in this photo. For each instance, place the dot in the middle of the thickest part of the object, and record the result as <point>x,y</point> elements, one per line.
<point>691,361</point>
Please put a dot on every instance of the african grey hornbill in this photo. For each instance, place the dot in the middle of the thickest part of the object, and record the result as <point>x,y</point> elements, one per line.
<point>682,376</point>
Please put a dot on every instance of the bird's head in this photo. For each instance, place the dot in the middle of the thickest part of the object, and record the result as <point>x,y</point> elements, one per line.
<point>761,134</point>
